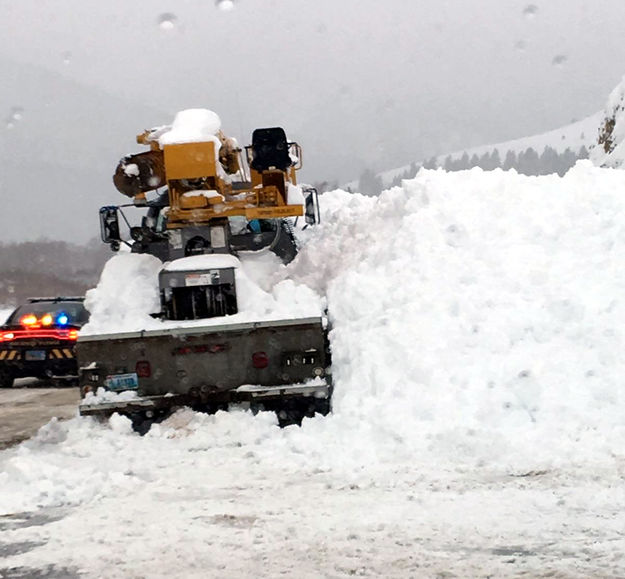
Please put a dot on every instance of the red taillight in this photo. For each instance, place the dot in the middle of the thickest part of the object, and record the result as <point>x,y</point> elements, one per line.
<point>32,333</point>
<point>260,360</point>
<point>143,369</point>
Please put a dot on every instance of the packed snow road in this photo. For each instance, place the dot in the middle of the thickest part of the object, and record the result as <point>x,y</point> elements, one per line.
<point>29,405</point>
<point>182,503</point>
<point>477,339</point>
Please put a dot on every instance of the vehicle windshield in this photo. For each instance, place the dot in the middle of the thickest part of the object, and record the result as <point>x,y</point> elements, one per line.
<point>76,313</point>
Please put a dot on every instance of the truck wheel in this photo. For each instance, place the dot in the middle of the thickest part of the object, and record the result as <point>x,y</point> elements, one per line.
<point>6,378</point>
<point>289,416</point>
<point>323,406</point>
<point>141,424</point>
<point>142,421</point>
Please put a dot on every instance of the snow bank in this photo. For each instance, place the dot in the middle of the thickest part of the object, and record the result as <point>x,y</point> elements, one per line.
<point>5,313</point>
<point>127,293</point>
<point>478,315</point>
<point>477,322</point>
<point>609,151</point>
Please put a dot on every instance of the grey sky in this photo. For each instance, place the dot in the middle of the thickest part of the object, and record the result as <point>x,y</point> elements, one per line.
<point>359,83</point>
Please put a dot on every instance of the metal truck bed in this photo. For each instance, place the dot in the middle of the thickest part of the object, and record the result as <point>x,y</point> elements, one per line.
<point>203,367</point>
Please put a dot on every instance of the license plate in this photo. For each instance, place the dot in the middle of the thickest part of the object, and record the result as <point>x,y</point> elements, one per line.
<point>32,355</point>
<point>122,382</point>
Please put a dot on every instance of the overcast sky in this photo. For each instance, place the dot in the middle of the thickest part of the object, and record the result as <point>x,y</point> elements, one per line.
<point>359,83</point>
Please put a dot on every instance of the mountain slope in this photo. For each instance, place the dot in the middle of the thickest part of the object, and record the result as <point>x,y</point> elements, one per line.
<point>610,149</point>
<point>573,136</point>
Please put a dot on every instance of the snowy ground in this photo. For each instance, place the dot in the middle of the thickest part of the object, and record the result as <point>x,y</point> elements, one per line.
<point>5,312</point>
<point>478,414</point>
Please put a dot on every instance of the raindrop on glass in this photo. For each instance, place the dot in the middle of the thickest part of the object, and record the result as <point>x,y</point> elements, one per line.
<point>530,10</point>
<point>17,114</point>
<point>167,21</point>
<point>224,5</point>
<point>67,57</point>
<point>559,60</point>
<point>520,45</point>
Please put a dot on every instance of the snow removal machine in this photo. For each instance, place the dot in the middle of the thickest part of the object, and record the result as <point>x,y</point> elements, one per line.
<point>206,204</point>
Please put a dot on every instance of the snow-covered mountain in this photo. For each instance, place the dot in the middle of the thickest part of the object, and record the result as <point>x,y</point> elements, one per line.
<point>573,136</point>
<point>610,149</point>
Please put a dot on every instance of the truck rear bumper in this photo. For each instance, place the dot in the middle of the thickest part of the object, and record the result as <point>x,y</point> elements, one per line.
<point>318,389</point>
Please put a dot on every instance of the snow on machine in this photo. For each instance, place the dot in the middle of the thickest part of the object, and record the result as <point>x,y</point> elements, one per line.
<point>209,339</point>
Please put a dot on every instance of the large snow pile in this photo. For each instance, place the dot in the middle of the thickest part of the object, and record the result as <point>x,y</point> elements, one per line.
<point>475,314</point>
<point>479,315</point>
<point>477,335</point>
<point>609,150</point>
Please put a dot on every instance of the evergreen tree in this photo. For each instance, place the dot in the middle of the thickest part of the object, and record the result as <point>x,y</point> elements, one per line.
<point>464,162</point>
<point>510,162</point>
<point>474,161</point>
<point>490,160</point>
<point>549,161</point>
<point>484,161</point>
<point>495,160</point>
<point>529,162</point>
<point>431,163</point>
<point>569,158</point>
<point>369,183</point>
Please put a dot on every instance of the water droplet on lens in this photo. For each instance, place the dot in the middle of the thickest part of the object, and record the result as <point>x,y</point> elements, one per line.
<point>530,10</point>
<point>559,59</point>
<point>520,45</point>
<point>67,57</point>
<point>167,21</point>
<point>224,5</point>
<point>17,113</point>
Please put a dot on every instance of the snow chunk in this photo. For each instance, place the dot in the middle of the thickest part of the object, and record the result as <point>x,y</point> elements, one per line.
<point>294,195</point>
<point>192,126</point>
<point>208,193</point>
<point>207,262</point>
<point>125,296</point>
<point>131,170</point>
<point>103,395</point>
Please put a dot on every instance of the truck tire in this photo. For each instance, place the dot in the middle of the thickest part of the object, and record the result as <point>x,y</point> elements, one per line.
<point>6,378</point>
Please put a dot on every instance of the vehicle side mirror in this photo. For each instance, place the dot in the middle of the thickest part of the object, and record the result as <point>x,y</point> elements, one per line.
<point>311,209</point>
<point>109,227</point>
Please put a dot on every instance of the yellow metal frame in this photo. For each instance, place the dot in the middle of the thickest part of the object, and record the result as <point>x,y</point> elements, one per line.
<point>194,166</point>
<point>190,160</point>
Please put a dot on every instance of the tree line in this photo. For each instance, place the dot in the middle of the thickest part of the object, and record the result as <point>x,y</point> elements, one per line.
<point>526,162</point>
<point>49,268</point>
